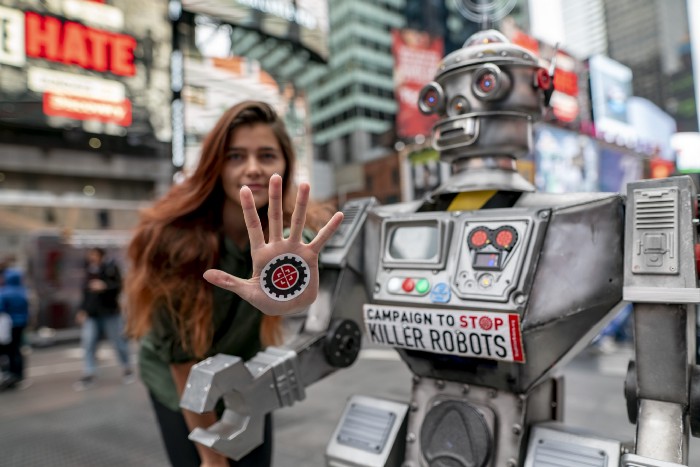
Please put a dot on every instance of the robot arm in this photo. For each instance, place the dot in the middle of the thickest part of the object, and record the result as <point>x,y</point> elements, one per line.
<point>277,377</point>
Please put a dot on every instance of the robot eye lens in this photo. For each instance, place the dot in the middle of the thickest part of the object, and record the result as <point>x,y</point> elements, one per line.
<point>431,99</point>
<point>487,82</point>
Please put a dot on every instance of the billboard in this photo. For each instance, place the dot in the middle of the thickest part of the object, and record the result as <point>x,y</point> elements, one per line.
<point>565,161</point>
<point>611,89</point>
<point>91,66</point>
<point>686,146</point>
<point>416,59</point>
<point>617,169</point>
<point>565,101</point>
<point>303,22</point>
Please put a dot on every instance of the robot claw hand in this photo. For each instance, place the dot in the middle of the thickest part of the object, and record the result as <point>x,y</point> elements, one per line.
<point>249,391</point>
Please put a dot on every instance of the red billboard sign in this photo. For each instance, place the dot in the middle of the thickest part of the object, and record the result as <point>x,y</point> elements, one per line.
<point>416,59</point>
<point>81,108</point>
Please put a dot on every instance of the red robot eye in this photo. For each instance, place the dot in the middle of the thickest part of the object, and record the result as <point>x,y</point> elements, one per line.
<point>431,99</point>
<point>491,83</point>
<point>487,82</point>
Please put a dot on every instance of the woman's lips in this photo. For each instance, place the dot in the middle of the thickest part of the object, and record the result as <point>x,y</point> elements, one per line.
<point>256,187</point>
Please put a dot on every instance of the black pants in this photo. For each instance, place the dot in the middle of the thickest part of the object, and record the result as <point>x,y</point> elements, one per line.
<point>13,350</point>
<point>182,452</point>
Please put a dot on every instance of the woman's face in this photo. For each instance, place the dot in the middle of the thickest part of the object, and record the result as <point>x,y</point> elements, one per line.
<point>253,156</point>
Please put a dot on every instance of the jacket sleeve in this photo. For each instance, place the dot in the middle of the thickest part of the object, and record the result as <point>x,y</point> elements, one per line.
<point>112,277</point>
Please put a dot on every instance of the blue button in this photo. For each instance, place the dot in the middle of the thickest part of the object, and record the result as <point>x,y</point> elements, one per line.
<point>441,293</point>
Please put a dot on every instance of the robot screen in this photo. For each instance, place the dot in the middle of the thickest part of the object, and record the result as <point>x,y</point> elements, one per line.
<point>414,242</point>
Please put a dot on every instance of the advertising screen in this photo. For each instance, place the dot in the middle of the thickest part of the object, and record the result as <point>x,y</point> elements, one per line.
<point>611,89</point>
<point>686,146</point>
<point>90,66</point>
<point>304,22</point>
<point>416,59</point>
<point>617,169</point>
<point>566,161</point>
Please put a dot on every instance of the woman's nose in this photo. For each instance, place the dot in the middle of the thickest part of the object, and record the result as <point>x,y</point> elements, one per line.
<point>252,166</point>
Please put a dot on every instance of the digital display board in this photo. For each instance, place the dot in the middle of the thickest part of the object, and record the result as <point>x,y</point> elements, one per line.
<point>99,67</point>
<point>565,161</point>
<point>686,146</point>
<point>304,22</point>
<point>611,89</point>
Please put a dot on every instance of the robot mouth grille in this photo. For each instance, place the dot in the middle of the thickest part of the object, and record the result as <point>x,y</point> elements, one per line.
<point>462,131</point>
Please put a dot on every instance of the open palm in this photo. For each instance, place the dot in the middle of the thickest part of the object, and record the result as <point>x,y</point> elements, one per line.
<point>283,257</point>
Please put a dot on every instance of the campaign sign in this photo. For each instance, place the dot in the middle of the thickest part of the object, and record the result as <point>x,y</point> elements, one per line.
<point>479,334</point>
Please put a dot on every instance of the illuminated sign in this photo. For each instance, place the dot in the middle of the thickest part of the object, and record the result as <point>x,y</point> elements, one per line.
<point>74,44</point>
<point>687,148</point>
<point>417,56</point>
<point>564,101</point>
<point>78,63</point>
<point>611,89</point>
<point>11,37</point>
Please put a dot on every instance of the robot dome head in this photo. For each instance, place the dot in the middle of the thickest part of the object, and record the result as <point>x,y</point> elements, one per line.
<point>486,94</point>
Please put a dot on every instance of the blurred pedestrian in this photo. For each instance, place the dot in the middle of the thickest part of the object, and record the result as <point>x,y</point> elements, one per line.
<point>246,166</point>
<point>100,315</point>
<point>619,333</point>
<point>14,302</point>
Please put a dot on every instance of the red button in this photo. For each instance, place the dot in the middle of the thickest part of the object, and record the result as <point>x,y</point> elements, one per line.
<point>408,285</point>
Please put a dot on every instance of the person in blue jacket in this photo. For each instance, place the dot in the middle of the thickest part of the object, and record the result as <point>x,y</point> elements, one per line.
<point>13,301</point>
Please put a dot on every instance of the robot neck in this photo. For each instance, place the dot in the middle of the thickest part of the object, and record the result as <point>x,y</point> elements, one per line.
<point>477,173</point>
<point>472,163</point>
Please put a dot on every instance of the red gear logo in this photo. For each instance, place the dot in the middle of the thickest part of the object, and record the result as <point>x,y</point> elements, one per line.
<point>285,277</point>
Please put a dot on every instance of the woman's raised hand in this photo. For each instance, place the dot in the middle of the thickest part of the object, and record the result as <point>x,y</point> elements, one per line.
<point>285,271</point>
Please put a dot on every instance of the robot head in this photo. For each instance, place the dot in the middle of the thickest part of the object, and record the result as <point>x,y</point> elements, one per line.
<point>487,94</point>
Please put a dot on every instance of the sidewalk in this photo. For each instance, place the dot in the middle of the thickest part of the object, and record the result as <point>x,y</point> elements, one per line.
<point>47,337</point>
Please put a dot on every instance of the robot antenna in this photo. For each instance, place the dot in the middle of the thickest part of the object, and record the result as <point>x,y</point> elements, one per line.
<point>484,12</point>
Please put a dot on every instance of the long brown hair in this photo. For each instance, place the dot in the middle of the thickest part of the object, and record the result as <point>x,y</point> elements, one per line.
<point>178,238</point>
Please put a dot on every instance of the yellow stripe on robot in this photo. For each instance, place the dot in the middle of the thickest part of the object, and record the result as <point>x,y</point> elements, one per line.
<point>471,200</point>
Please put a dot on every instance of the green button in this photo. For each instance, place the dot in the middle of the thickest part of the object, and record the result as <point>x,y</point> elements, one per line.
<point>422,286</point>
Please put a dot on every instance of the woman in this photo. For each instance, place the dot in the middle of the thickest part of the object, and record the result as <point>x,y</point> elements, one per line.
<point>216,219</point>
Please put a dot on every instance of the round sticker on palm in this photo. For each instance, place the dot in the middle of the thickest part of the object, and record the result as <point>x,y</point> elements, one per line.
<point>285,277</point>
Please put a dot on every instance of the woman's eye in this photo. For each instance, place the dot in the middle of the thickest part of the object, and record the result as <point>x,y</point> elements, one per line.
<point>234,156</point>
<point>269,155</point>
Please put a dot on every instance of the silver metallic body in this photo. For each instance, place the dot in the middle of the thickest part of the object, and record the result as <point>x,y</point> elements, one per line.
<point>567,265</point>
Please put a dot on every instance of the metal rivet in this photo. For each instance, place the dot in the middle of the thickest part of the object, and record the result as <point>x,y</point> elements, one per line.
<point>517,429</point>
<point>411,438</point>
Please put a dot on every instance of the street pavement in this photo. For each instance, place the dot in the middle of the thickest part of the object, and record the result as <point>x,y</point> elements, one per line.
<point>48,423</point>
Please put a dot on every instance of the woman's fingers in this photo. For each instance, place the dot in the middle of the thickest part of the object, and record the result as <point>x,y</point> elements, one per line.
<point>274,208</point>
<point>326,232</point>
<point>299,214</point>
<point>226,281</point>
<point>252,220</point>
